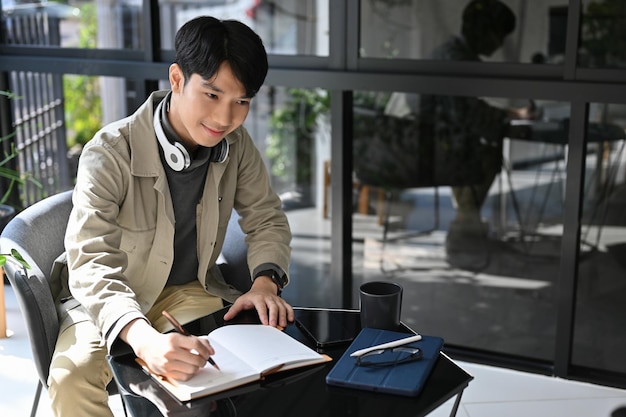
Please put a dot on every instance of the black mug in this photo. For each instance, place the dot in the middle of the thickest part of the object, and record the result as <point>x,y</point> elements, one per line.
<point>381,305</point>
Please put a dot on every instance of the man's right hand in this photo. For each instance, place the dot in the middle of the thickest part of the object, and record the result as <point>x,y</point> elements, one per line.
<point>172,355</point>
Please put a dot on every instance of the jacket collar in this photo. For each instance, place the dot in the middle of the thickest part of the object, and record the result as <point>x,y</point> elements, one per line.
<point>145,160</point>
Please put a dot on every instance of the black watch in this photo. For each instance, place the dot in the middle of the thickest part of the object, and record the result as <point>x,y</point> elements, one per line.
<point>279,280</point>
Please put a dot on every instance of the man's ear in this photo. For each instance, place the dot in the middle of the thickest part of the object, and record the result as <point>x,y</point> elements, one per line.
<point>177,79</point>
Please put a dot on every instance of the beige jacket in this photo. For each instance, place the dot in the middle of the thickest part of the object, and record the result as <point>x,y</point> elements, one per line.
<point>120,235</point>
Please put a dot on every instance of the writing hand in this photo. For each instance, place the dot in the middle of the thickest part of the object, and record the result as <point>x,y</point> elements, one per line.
<point>180,329</point>
<point>172,355</point>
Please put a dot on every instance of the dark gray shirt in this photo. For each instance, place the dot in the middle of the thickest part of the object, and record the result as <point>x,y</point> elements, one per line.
<point>186,189</point>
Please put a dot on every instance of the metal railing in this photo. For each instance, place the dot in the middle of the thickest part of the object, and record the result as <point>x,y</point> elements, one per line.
<point>37,110</point>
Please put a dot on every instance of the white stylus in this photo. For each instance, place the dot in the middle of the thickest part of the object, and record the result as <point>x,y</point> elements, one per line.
<point>392,344</point>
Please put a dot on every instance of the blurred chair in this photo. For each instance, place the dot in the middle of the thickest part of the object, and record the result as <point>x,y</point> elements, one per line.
<point>363,191</point>
<point>389,154</point>
<point>399,153</point>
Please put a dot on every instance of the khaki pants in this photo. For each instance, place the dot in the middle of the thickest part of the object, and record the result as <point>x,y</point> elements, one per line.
<point>79,372</point>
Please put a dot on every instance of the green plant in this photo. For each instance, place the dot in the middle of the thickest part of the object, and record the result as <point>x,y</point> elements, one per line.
<point>15,255</point>
<point>83,109</point>
<point>293,132</point>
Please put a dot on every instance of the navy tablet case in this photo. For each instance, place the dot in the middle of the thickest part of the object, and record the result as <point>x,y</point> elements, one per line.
<point>405,379</point>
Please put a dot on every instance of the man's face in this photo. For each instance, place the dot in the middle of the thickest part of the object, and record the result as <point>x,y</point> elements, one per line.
<point>490,42</point>
<point>203,112</point>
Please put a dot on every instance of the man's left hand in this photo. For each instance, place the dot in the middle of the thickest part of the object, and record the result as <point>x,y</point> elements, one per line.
<point>263,296</point>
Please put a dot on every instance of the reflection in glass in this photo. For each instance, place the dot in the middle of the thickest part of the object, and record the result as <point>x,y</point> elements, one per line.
<point>98,24</point>
<point>599,340</point>
<point>38,23</point>
<point>603,32</point>
<point>295,142</point>
<point>490,29</point>
<point>91,103</point>
<point>287,27</point>
<point>54,116</point>
<point>294,152</point>
<point>473,204</point>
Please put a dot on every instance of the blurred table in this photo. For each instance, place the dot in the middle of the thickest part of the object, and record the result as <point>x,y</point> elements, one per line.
<point>556,132</point>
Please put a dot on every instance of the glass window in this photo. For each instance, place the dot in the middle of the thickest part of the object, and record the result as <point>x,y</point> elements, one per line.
<point>600,315</point>
<point>112,25</point>
<point>295,140</point>
<point>489,30</point>
<point>603,34</point>
<point>289,126</point>
<point>54,115</point>
<point>463,208</point>
<point>287,27</point>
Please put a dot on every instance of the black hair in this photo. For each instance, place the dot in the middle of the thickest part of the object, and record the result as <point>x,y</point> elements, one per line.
<point>204,43</point>
<point>493,15</point>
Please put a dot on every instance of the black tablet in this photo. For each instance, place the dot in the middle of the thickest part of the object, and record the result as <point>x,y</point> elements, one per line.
<point>328,328</point>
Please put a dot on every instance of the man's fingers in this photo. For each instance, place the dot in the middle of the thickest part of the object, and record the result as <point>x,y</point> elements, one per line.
<point>271,309</point>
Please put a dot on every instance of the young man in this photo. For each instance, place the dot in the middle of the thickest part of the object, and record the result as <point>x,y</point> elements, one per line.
<point>152,200</point>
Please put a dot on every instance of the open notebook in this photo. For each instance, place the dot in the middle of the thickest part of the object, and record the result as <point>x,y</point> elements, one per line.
<point>244,353</point>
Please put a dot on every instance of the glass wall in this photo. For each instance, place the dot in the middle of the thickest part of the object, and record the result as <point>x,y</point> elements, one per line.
<point>295,140</point>
<point>287,27</point>
<point>603,34</point>
<point>464,209</point>
<point>53,116</point>
<point>92,102</point>
<point>97,24</point>
<point>600,309</point>
<point>520,31</point>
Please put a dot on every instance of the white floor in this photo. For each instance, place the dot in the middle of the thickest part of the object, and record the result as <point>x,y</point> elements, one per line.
<point>494,392</point>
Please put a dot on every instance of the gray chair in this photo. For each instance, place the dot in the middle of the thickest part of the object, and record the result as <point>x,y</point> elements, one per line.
<point>37,233</point>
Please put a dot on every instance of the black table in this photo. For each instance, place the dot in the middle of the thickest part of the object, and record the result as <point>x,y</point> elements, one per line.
<point>301,393</point>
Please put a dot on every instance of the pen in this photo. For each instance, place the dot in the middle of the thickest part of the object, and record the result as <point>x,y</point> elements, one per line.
<point>392,344</point>
<point>180,329</point>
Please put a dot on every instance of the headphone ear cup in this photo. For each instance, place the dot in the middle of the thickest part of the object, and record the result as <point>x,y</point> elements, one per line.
<point>177,157</point>
<point>175,153</point>
<point>219,153</point>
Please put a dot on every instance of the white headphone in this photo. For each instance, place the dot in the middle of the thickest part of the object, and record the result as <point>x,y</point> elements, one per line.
<point>176,155</point>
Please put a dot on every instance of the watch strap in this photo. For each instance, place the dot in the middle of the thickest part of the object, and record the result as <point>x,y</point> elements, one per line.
<point>279,280</point>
